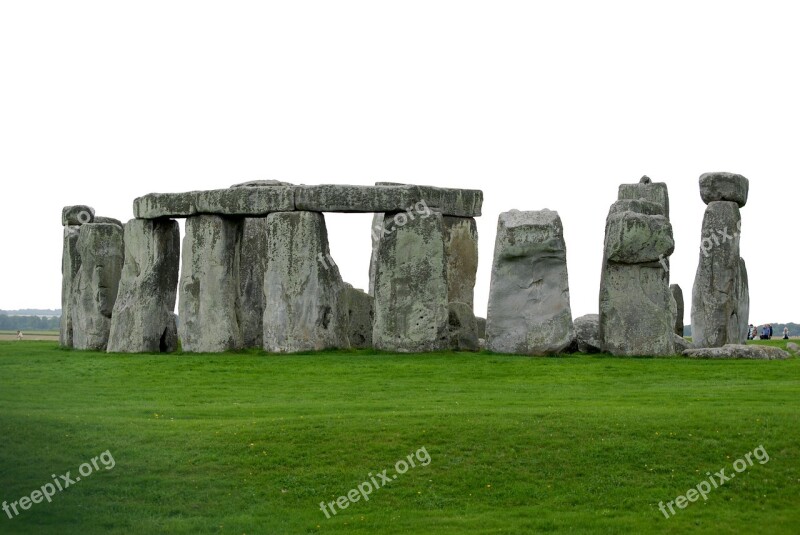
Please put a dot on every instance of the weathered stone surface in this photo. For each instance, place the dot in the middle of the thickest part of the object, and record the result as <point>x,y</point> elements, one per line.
<point>376,232</point>
<point>724,187</point>
<point>739,351</point>
<point>143,320</point>
<point>651,191</point>
<point>677,307</point>
<point>640,206</point>
<point>242,201</point>
<point>481,324</point>
<point>79,214</point>
<point>411,285</point>
<point>208,286</point>
<point>461,255</point>
<point>743,300</point>
<point>359,308</point>
<point>529,309</point>
<point>251,265</point>
<point>302,287</point>
<point>717,283</point>
<point>411,199</point>
<point>635,314</point>
<point>791,346</point>
<point>634,238</point>
<point>462,327</point>
<point>587,333</point>
<point>100,246</point>
<point>70,264</point>
<point>681,344</point>
<point>109,220</point>
<point>260,184</point>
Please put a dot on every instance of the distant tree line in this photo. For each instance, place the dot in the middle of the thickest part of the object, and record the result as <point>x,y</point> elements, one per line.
<point>29,323</point>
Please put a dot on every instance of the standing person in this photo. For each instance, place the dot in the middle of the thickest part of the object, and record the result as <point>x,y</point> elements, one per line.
<point>19,335</point>
<point>764,332</point>
<point>750,332</point>
<point>786,333</point>
<point>770,331</point>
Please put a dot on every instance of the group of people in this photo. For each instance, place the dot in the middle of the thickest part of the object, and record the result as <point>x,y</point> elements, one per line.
<point>766,332</point>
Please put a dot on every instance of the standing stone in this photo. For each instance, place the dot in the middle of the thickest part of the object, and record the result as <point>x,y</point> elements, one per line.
<point>143,320</point>
<point>302,286</point>
<point>411,284</point>
<point>743,297</point>
<point>461,253</point>
<point>529,309</point>
<point>677,307</point>
<point>715,295</point>
<point>251,261</point>
<point>462,327</point>
<point>70,264</point>
<point>376,232</point>
<point>101,251</point>
<point>359,309</point>
<point>209,286</point>
<point>635,312</point>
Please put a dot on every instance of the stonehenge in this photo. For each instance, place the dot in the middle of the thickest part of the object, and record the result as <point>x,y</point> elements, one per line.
<point>720,295</point>
<point>529,310</point>
<point>635,310</point>
<point>254,271</point>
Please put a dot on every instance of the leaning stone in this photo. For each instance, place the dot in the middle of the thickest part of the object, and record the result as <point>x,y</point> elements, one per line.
<point>587,332</point>
<point>681,344</point>
<point>462,327</point>
<point>529,310</point>
<point>243,201</point>
<point>77,215</point>
<point>634,238</point>
<point>143,318</point>
<point>677,307</point>
<point>461,253</point>
<point>101,250</point>
<point>411,285</point>
<point>208,286</point>
<point>359,308</point>
<point>739,351</point>
<point>302,286</point>
<point>70,264</point>
<point>413,200</point>
<point>717,283</point>
<point>651,191</point>
<point>724,187</point>
<point>251,264</point>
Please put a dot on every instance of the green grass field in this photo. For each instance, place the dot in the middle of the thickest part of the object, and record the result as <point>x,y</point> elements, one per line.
<point>249,443</point>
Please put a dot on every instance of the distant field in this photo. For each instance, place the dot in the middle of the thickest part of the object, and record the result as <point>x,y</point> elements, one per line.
<point>251,443</point>
<point>29,335</point>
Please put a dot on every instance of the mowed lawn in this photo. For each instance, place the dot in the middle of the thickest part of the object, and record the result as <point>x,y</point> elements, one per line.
<point>252,443</point>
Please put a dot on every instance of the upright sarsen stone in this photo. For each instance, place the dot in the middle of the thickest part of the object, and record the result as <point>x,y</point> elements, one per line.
<point>717,283</point>
<point>743,298</point>
<point>70,264</point>
<point>302,286</point>
<point>461,254</point>
<point>411,284</point>
<point>251,265</point>
<point>100,246</point>
<point>208,321</point>
<point>677,307</point>
<point>143,320</point>
<point>529,308</point>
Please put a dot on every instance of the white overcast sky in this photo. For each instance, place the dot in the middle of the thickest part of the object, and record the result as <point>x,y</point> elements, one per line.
<point>538,104</point>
